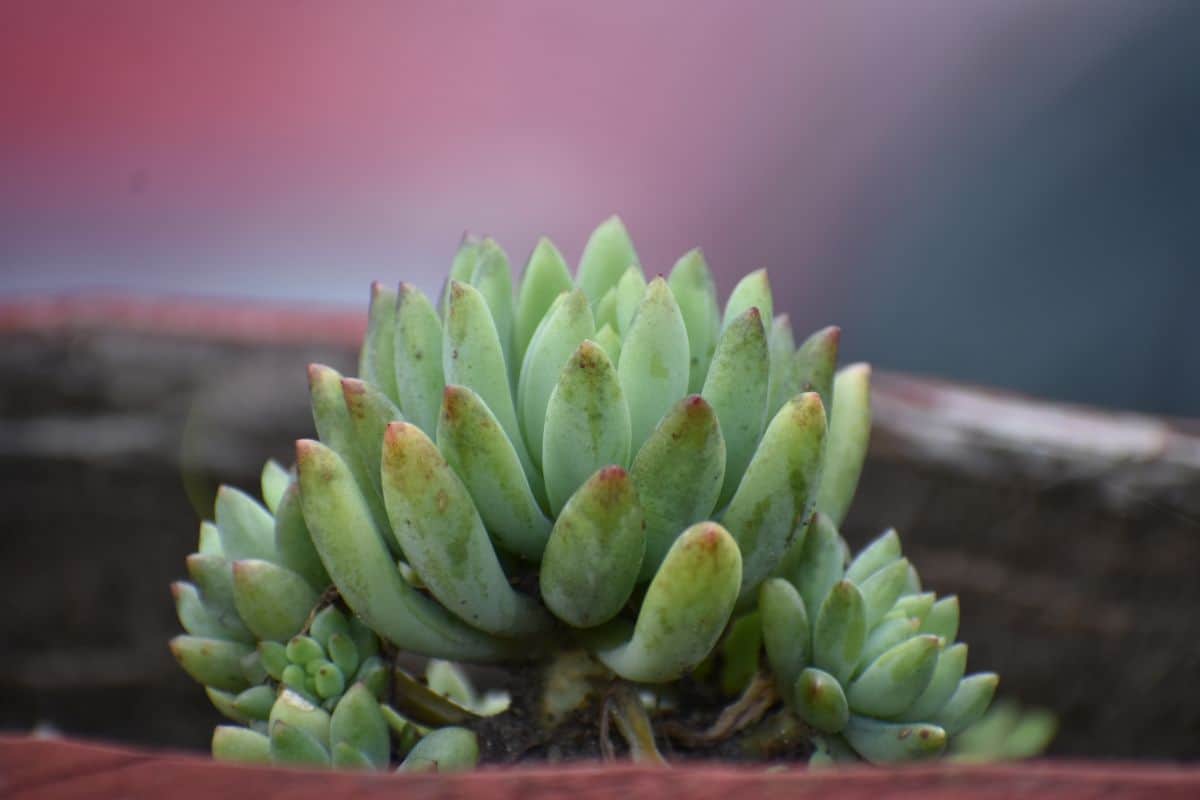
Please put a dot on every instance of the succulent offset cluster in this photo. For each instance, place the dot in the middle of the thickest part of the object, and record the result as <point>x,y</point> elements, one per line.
<point>604,463</point>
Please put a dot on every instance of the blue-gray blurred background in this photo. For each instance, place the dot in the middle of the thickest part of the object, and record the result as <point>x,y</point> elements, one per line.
<point>1000,191</point>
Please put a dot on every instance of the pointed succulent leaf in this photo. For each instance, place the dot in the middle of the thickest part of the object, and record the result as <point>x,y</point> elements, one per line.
<point>329,681</point>
<point>255,702</point>
<point>326,623</point>
<point>942,619</point>
<point>587,424</point>
<point>890,632</point>
<point>630,289</point>
<point>210,540</point>
<point>343,653</point>
<point>273,601</point>
<point>370,412</point>
<point>736,388</point>
<point>849,433</point>
<point>894,742</point>
<point>654,360</point>
<point>304,650</point>
<point>246,528</point>
<point>418,356</point>
<point>916,606</point>
<point>546,277</point>
<point>295,710</point>
<point>197,619</point>
<point>212,662</point>
<point>377,360</point>
<point>685,608</point>
<point>213,577</point>
<point>875,556</point>
<point>358,723</point>
<point>893,681</point>
<point>785,630</point>
<point>773,498</point>
<point>678,474</point>
<point>951,665</point>
<point>696,293</point>
<point>435,521</point>
<point>752,291</point>
<point>881,590</point>
<point>224,702</point>
<point>739,651</point>
<point>840,631</point>
<point>293,544</point>
<point>568,324</point>
<point>466,258</point>
<point>234,744</point>
<point>969,701</point>
<point>813,563</point>
<point>609,341</point>
<point>595,551</point>
<point>782,348</point>
<point>448,680</point>
<point>493,278</point>
<point>480,454</point>
<point>607,254</point>
<point>819,700</point>
<point>449,749</point>
<point>274,481</point>
<point>346,757</point>
<point>606,310</point>
<point>296,746</point>
<point>815,361</point>
<point>273,656</point>
<point>913,584</point>
<point>472,357</point>
<point>367,578</point>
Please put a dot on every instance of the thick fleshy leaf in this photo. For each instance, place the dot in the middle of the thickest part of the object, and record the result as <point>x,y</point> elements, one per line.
<point>472,357</point>
<point>630,289</point>
<point>466,258</point>
<point>246,528</point>
<point>915,606</point>
<point>587,424</point>
<point>476,447</point>
<point>607,254</point>
<point>882,589</point>
<point>874,557</point>
<point>357,722</point>
<point>435,521</point>
<point>942,619</point>
<point>198,620</point>
<point>893,681</point>
<point>370,412</point>
<point>736,388</point>
<point>213,576</point>
<point>894,742</point>
<point>493,278</point>
<point>568,324</point>
<point>293,542</point>
<point>849,434</point>
<point>234,744</point>
<point>376,360</point>
<point>595,551</point>
<point>820,702</point>
<point>678,473</point>
<point>274,481</point>
<point>774,496</point>
<point>418,354</point>
<point>296,746</point>
<point>782,347</point>
<point>255,703</point>
<point>610,342</point>
<point>814,363</point>
<point>813,563</point>
<point>336,432</point>
<point>969,701</point>
<point>273,601</point>
<point>685,609</point>
<point>951,665</point>
<point>546,277</point>
<point>786,632</point>
<point>449,749</point>
<point>891,631</point>
<point>352,550</point>
<point>212,662</point>
<point>752,291</point>
<point>210,540</point>
<point>696,293</point>
<point>654,360</point>
<point>840,631</point>
<point>606,310</point>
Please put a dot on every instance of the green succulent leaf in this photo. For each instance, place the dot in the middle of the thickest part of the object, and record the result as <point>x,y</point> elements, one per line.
<point>891,631</point>
<point>435,521</point>
<point>694,290</point>
<point>213,577</point>
<point>595,551</point>
<point>235,744</point>
<point>274,482</point>
<point>737,388</point>
<point>969,701</point>
<point>685,608</point>
<point>295,746</point>
<point>255,703</point>
<point>893,681</point>
<point>370,412</point>
<point>212,662</point>
<point>752,291</point>
<point>546,276</point>
<point>587,424</point>
<point>449,749</point>
<point>474,444</point>
<point>849,433</point>
<point>813,562</point>
<point>246,528</point>
<point>273,601</point>
<point>418,355</point>
<point>376,360</point>
<point>874,557</point>
<point>630,289</point>
<point>358,723</point>
<point>786,632</point>
<point>607,254</point>
<point>493,278</point>
<point>951,665</point>
<point>210,540</point>
<point>894,742</point>
<point>881,590</point>
<point>678,474</point>
<point>293,543</point>
<point>942,619</point>
<point>198,620</point>
<point>773,498</point>
<point>653,369</point>
<point>782,348</point>
<point>819,700</point>
<point>814,363</point>
<point>840,631</point>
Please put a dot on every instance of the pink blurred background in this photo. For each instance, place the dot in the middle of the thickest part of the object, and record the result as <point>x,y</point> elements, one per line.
<point>1002,191</point>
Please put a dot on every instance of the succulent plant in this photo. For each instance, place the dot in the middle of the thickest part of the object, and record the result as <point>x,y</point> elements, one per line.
<point>601,465</point>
